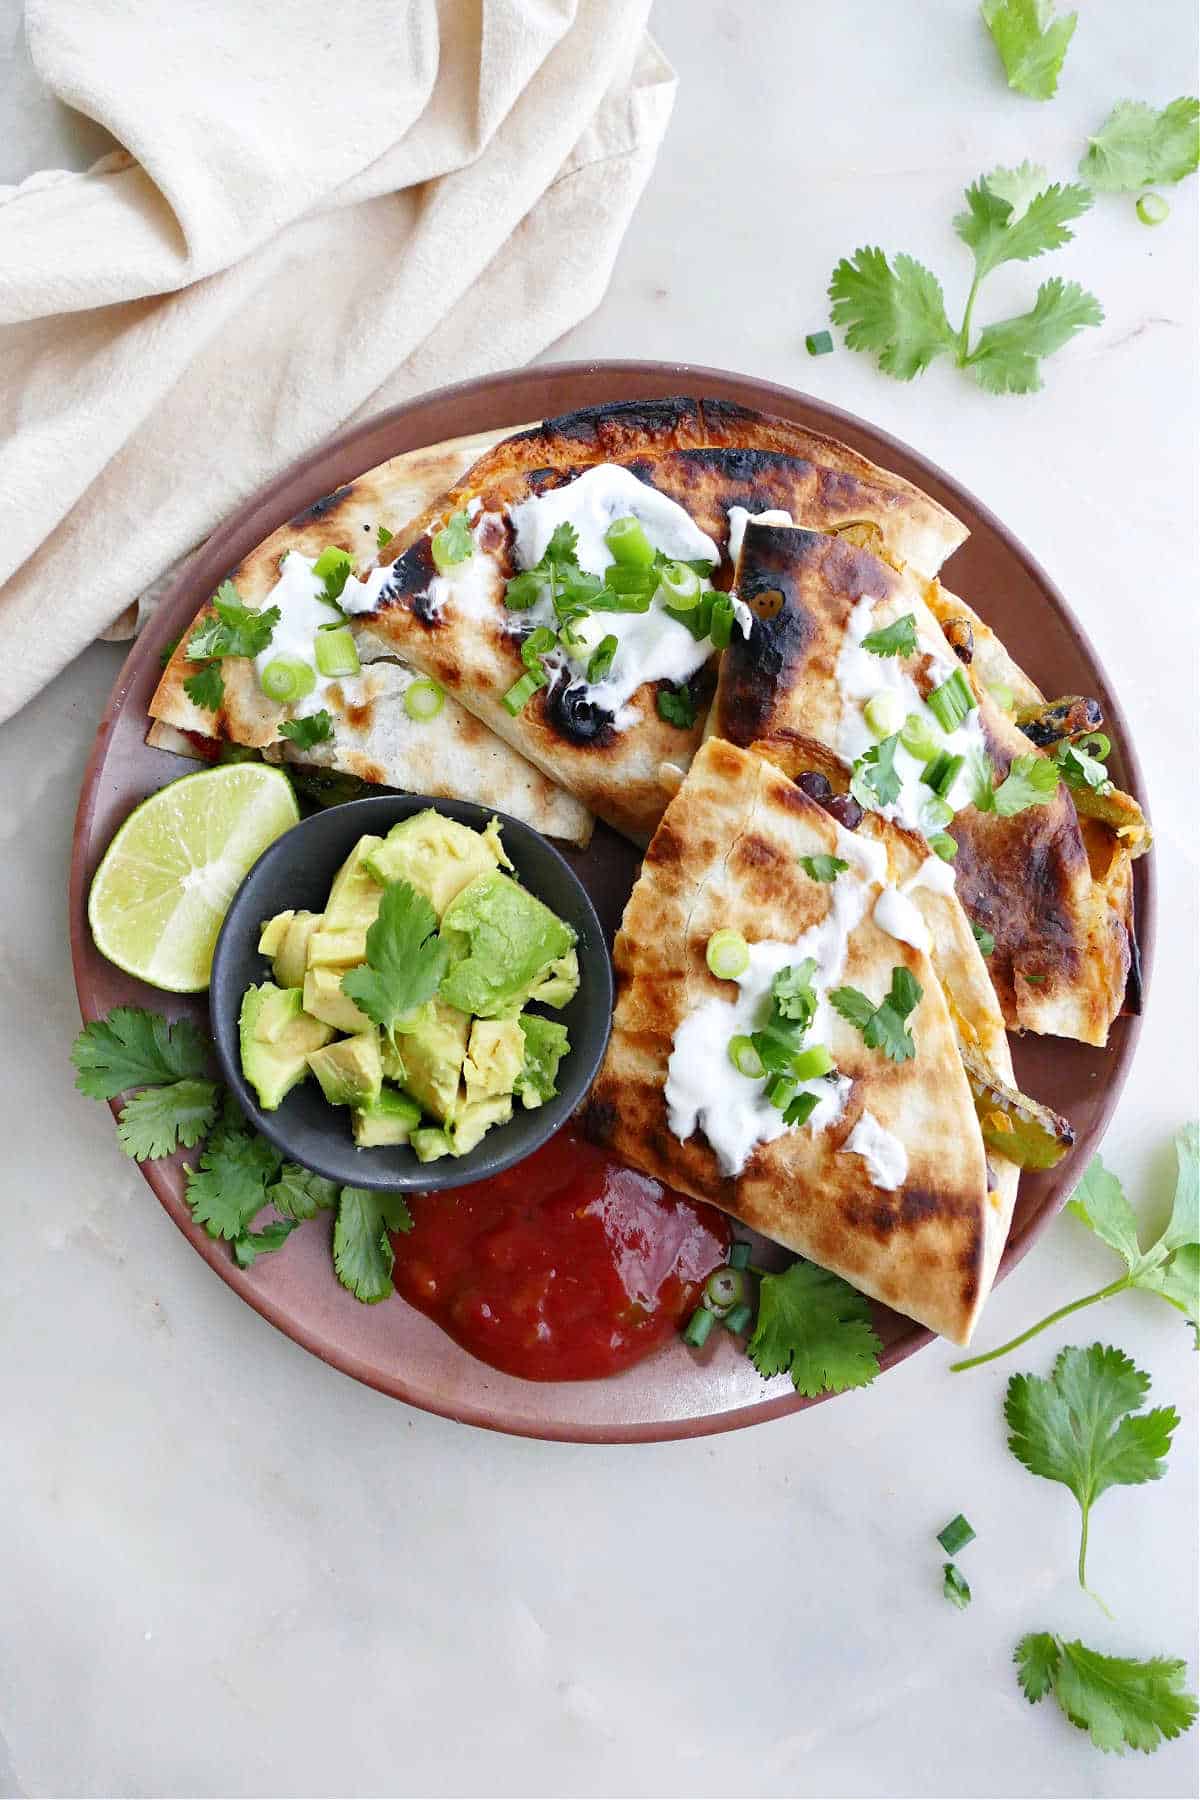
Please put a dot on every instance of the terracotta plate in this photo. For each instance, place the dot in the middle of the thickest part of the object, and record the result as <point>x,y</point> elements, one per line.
<point>677,1393</point>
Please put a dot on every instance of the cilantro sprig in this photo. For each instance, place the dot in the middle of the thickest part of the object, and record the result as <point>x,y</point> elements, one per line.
<point>167,1062</point>
<point>1122,1702</point>
<point>884,1027</point>
<point>823,868</point>
<point>1032,780</point>
<point>1170,1267</point>
<point>312,728</point>
<point>1031,41</point>
<point>362,1249</point>
<point>231,629</point>
<point>874,778</point>
<point>405,959</point>
<point>815,1327</point>
<point>1137,147</point>
<point>897,639</point>
<point>898,313</point>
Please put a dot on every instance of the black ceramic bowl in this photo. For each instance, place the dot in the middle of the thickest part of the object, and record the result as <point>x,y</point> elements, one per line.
<point>297,872</point>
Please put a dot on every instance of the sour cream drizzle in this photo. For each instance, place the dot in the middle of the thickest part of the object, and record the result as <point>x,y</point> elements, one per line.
<point>302,613</point>
<point>881,1150</point>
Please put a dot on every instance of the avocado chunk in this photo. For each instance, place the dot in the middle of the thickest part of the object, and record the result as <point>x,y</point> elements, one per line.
<point>342,948</point>
<point>272,933</point>
<point>350,1072</point>
<point>495,1057</point>
<point>502,941</point>
<point>437,856</point>
<point>292,951</point>
<point>546,1043</point>
<point>471,1122</point>
<point>560,983</point>
<point>430,1143</point>
<point>324,999</point>
<point>274,1065</point>
<point>355,895</point>
<point>390,1121</point>
<point>432,1051</point>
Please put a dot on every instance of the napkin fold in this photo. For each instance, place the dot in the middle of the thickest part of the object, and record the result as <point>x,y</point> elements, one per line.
<point>317,212</point>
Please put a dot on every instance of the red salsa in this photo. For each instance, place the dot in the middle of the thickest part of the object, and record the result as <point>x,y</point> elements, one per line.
<point>565,1268</point>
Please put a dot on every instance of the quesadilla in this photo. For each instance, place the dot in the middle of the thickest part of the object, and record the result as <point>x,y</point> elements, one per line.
<point>846,670</point>
<point>440,749</point>
<point>876,1168</point>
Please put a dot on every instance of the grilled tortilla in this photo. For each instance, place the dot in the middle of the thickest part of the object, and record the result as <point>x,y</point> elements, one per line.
<point>727,855</point>
<point>1061,918</point>
<point>452,755</point>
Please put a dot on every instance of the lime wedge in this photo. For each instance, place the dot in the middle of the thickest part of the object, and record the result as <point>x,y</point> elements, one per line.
<point>167,878</point>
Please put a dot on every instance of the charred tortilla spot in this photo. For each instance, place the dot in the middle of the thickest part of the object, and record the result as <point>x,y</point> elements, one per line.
<point>320,509</point>
<point>360,714</point>
<point>577,718</point>
<point>756,852</point>
<point>599,1118</point>
<point>665,846</point>
<point>766,604</point>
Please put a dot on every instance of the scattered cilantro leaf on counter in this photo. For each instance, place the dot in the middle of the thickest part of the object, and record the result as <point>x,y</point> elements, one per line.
<point>676,706</point>
<point>883,1027</point>
<point>874,781</point>
<point>232,629</point>
<point>313,728</point>
<point>983,938</point>
<point>1031,41</point>
<point>1122,1702</point>
<point>815,1327</point>
<point>228,1188</point>
<point>299,1194</point>
<point>362,1251</point>
<point>897,639</point>
<point>823,868</point>
<point>383,537</point>
<point>1081,1427</point>
<point>898,313</point>
<point>132,1048</point>
<point>1170,1267</point>
<point>252,1244</point>
<point>1137,147</point>
<point>156,1121</point>
<point>405,958</point>
<point>206,687</point>
<point>955,1587</point>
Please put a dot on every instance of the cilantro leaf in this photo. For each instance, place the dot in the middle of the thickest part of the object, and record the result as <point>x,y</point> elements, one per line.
<point>253,1244</point>
<point>1031,781</point>
<point>983,938</point>
<point>313,728</point>
<point>1100,1202</point>
<point>1017,186</point>
<point>453,543</point>
<point>817,1328</point>
<point>898,314</point>
<point>1006,358</point>
<point>206,687</point>
<point>853,1005</point>
<point>997,232</point>
<point>383,537</point>
<point>157,1120</point>
<point>1031,41</point>
<point>793,992</point>
<point>232,629</point>
<point>334,567</point>
<point>1122,1702</point>
<point>299,1194</point>
<point>132,1047</point>
<point>897,639</point>
<point>883,1027</point>
<point>167,652</point>
<point>1080,1427</point>
<point>563,544</point>
<point>228,1188</point>
<point>362,1250</point>
<point>874,781</point>
<point>954,1586</point>
<point>405,958</point>
<point>1080,767</point>
<point>1137,147</point>
<point>675,705</point>
<point>823,868</point>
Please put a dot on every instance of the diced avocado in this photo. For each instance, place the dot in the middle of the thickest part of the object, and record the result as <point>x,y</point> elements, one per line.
<point>324,999</point>
<point>389,1121</point>
<point>437,856</point>
<point>502,941</point>
<point>292,954</point>
<point>341,948</point>
<point>276,1010</point>
<point>429,1144</point>
<point>470,1123</point>
<point>351,1071</point>
<point>491,837</point>
<point>272,933</point>
<point>432,1052</point>
<point>273,1067</point>
<point>355,895</point>
<point>495,1057</point>
<point>546,1044</point>
<point>560,983</point>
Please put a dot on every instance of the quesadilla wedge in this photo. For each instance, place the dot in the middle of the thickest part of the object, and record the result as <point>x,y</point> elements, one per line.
<point>847,662</point>
<point>886,1181</point>
<point>377,732</point>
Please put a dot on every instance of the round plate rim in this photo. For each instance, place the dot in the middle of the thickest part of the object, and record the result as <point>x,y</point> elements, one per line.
<point>666,377</point>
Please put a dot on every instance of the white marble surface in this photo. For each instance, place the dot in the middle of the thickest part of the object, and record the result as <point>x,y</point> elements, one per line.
<point>225,1569</point>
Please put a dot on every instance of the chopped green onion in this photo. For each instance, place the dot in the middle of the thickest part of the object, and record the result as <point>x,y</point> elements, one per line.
<point>608,599</point>
<point>423,699</point>
<point>884,712</point>
<point>983,938</point>
<point>453,544</point>
<point>951,702</point>
<point>943,845</point>
<point>801,1107</point>
<point>601,659</point>
<point>954,1587</point>
<point>1003,695</point>
<point>956,1535</point>
<point>336,652</point>
<point>1152,209</point>
<point>720,625</point>
<point>917,736</point>
<point>680,585</point>
<point>627,578</point>
<point>818,343</point>
<point>539,643</point>
<point>745,1057</point>
<point>936,814</point>
<point>629,543</point>
<point>698,1327</point>
<point>739,1254</point>
<point>727,954</point>
<point>941,772</point>
<point>523,690</point>
<point>725,1288</point>
<point>738,1319</point>
<point>286,679</point>
<point>811,1063</point>
<point>781,1091</point>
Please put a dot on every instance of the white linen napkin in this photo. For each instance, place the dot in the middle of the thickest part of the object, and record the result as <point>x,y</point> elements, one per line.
<point>318,211</point>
